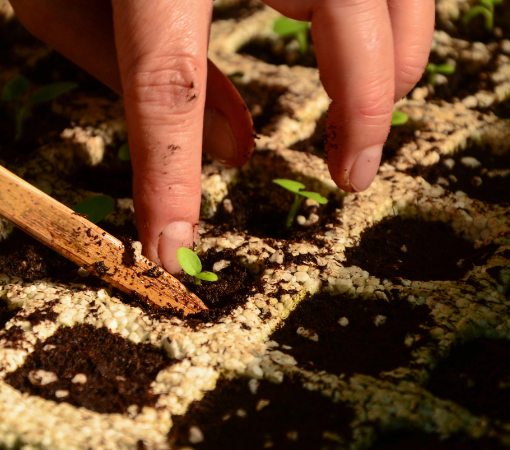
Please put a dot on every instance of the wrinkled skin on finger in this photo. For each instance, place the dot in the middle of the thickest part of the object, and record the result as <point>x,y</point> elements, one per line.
<point>155,55</point>
<point>369,52</point>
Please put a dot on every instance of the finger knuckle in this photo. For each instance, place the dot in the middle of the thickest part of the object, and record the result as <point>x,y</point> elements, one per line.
<point>374,105</point>
<point>411,69</point>
<point>169,83</point>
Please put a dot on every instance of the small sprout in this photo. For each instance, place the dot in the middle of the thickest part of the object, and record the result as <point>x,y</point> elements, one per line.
<point>234,75</point>
<point>191,264</point>
<point>295,187</point>
<point>17,88</point>
<point>124,154</point>
<point>283,26</point>
<point>95,208</point>
<point>484,8</point>
<point>433,69</point>
<point>398,118</point>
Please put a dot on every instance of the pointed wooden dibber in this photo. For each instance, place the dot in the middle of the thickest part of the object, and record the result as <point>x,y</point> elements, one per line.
<point>87,245</point>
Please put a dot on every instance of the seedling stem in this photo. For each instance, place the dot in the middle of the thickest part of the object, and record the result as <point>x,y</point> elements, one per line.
<point>191,264</point>
<point>486,9</point>
<point>17,88</point>
<point>295,187</point>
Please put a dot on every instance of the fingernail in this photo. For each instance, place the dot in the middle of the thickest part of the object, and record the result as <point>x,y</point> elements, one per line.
<point>174,236</point>
<point>219,140</point>
<point>365,168</point>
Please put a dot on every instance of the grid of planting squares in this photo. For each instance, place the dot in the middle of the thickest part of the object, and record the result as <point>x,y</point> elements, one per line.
<point>379,319</point>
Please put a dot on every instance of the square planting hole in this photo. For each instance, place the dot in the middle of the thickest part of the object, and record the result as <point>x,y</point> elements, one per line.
<point>418,250</point>
<point>253,414</point>
<point>477,171</point>
<point>93,368</point>
<point>331,332</point>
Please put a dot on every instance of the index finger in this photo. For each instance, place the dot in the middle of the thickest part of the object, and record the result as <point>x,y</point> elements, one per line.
<point>354,46</point>
<point>162,54</point>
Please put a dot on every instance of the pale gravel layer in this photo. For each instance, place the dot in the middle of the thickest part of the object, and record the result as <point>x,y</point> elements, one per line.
<point>460,310</point>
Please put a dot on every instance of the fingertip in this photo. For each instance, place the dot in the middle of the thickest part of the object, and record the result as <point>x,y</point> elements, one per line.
<point>174,236</point>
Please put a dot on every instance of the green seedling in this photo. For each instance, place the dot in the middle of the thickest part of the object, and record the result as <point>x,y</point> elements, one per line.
<point>95,208</point>
<point>283,27</point>
<point>124,154</point>
<point>191,264</point>
<point>398,118</point>
<point>433,69</point>
<point>484,8</point>
<point>16,90</point>
<point>295,187</point>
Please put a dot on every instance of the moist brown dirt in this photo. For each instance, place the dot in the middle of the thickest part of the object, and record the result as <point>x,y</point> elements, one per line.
<point>230,291</point>
<point>111,177</point>
<point>488,182</point>
<point>5,313</point>
<point>237,10</point>
<point>476,375</point>
<point>24,257</point>
<point>13,336</point>
<point>119,373</point>
<point>475,30</point>
<point>262,212</point>
<point>463,82</point>
<point>228,418</point>
<point>399,136</point>
<point>359,347</point>
<point>278,52</point>
<point>411,249</point>
<point>261,100</point>
<point>420,440</point>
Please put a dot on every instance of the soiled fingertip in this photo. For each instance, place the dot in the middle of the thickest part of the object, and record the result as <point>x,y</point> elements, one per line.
<point>174,236</point>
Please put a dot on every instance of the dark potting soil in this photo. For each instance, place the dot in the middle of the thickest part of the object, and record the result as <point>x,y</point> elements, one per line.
<point>261,100</point>
<point>359,347</point>
<point>489,182</point>
<point>5,313</point>
<point>283,416</point>
<point>13,336</point>
<point>26,258</point>
<point>463,82</point>
<point>420,440</point>
<point>414,249</point>
<point>119,373</point>
<point>278,53</point>
<point>315,143</point>
<point>234,284</point>
<point>237,10</point>
<point>40,127</point>
<point>475,30</point>
<point>262,212</point>
<point>502,110</point>
<point>398,137</point>
<point>112,176</point>
<point>477,376</point>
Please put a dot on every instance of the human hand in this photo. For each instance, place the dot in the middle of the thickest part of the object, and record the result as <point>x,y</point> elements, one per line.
<point>155,54</point>
<point>370,54</point>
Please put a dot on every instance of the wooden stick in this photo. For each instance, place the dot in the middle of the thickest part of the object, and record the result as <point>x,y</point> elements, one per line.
<point>87,245</point>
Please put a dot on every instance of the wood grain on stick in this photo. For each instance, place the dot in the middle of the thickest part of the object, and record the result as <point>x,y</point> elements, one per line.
<point>87,245</point>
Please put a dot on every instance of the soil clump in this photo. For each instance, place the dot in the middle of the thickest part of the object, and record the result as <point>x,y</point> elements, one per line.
<point>117,373</point>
